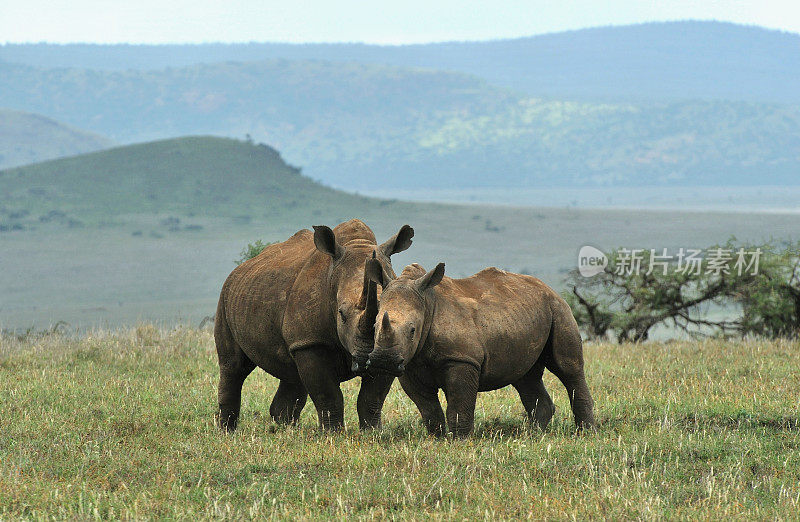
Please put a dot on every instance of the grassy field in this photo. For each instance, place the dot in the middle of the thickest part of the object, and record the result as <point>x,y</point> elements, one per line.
<point>108,276</point>
<point>120,424</point>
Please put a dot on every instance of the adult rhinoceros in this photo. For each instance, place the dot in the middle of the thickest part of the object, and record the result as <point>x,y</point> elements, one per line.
<point>304,312</point>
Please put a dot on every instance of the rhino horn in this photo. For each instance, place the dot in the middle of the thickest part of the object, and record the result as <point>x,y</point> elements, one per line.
<point>374,272</point>
<point>366,323</point>
<point>371,304</point>
<point>368,287</point>
<point>386,328</point>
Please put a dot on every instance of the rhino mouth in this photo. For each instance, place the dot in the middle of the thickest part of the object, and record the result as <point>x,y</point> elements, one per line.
<point>362,347</point>
<point>359,365</point>
<point>382,368</point>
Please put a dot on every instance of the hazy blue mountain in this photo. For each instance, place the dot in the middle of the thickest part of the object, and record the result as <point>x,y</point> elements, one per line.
<point>29,138</point>
<point>656,61</point>
<point>362,126</point>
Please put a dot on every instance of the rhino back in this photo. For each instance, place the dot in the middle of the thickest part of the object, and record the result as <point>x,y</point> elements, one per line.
<point>495,319</point>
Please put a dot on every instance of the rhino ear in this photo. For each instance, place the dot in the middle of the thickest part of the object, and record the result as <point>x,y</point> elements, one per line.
<point>432,278</point>
<point>326,242</point>
<point>398,242</point>
<point>374,272</point>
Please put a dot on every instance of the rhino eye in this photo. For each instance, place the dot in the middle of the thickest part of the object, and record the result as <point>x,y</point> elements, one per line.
<point>411,332</point>
<point>342,315</point>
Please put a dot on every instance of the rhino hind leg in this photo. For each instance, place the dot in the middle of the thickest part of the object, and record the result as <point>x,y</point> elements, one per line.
<point>538,405</point>
<point>232,373</point>
<point>234,367</point>
<point>564,357</point>
<point>288,403</point>
<point>314,365</point>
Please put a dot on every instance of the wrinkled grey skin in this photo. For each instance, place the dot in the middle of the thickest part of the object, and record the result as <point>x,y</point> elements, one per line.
<point>476,334</point>
<point>304,312</point>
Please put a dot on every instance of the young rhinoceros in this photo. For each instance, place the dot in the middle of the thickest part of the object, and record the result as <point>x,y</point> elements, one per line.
<point>476,334</point>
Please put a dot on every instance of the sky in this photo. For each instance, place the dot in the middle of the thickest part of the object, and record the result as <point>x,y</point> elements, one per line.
<point>393,22</point>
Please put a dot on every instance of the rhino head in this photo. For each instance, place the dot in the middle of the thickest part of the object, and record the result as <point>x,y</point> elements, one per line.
<point>404,315</point>
<point>355,306</point>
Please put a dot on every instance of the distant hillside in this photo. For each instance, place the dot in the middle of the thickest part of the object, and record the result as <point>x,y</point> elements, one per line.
<point>276,98</point>
<point>29,138</point>
<point>366,126</point>
<point>186,176</point>
<point>655,62</point>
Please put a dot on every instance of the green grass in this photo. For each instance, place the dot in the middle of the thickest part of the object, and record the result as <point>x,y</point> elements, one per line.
<point>108,276</point>
<point>120,424</point>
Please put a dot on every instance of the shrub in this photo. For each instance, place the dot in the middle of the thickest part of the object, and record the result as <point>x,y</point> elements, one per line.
<point>625,305</point>
<point>251,251</point>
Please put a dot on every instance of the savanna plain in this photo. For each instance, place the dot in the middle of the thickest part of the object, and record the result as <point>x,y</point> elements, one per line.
<point>119,423</point>
<point>99,232</point>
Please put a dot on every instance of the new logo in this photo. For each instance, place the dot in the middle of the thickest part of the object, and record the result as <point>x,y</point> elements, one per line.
<point>591,261</point>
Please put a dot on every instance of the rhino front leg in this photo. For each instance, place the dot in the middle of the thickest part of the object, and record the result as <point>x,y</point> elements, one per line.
<point>426,398</point>
<point>461,389</point>
<point>288,402</point>
<point>374,389</point>
<point>317,368</point>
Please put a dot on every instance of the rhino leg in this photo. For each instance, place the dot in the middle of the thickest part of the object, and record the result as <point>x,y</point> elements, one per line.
<point>564,357</point>
<point>234,367</point>
<point>317,368</point>
<point>288,402</point>
<point>374,389</point>
<point>461,382</point>
<point>232,373</point>
<point>538,405</point>
<point>426,398</point>
<point>580,399</point>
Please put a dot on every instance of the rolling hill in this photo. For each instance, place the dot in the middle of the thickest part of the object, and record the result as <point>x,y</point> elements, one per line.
<point>655,62</point>
<point>30,138</point>
<point>367,126</point>
<point>191,176</point>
